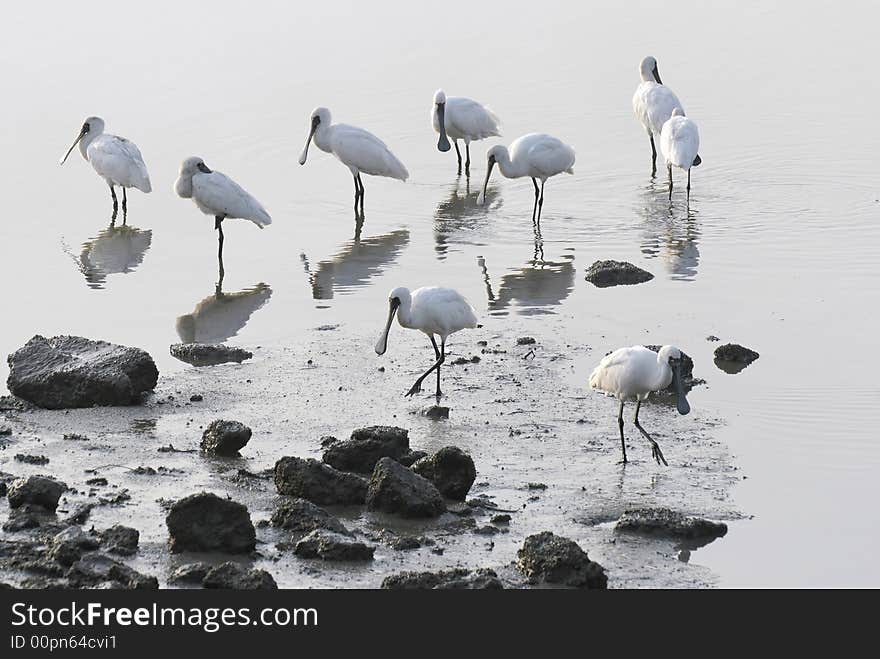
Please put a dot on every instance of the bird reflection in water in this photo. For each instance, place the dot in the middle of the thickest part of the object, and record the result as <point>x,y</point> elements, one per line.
<point>670,233</point>
<point>116,249</point>
<point>459,214</point>
<point>532,289</point>
<point>223,315</point>
<point>355,264</point>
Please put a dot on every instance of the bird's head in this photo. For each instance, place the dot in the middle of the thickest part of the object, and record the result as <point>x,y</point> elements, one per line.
<point>675,359</point>
<point>677,112</point>
<point>319,117</point>
<point>494,155</point>
<point>399,296</point>
<point>440,106</point>
<point>91,128</point>
<point>648,70</point>
<point>440,97</point>
<point>189,168</point>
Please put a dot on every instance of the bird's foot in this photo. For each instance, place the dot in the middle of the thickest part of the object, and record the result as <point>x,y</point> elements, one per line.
<point>658,454</point>
<point>416,388</point>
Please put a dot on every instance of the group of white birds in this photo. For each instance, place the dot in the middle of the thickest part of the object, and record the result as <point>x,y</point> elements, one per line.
<point>630,374</point>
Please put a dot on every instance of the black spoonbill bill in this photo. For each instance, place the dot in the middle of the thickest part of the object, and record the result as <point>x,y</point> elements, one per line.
<point>218,195</point>
<point>357,149</point>
<point>679,143</point>
<point>117,160</point>
<point>535,155</point>
<point>461,118</point>
<point>631,374</point>
<point>432,310</point>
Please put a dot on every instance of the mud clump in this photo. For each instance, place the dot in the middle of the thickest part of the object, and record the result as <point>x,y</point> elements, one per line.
<point>95,569</point>
<point>551,559</point>
<point>190,573</point>
<point>69,545</point>
<point>732,357</point>
<point>232,576</point>
<point>318,482</point>
<point>603,274</point>
<point>225,438</point>
<point>526,341</point>
<point>205,522</point>
<point>663,522</point>
<point>330,546</point>
<point>399,490</point>
<point>31,459</point>
<point>120,540</point>
<point>436,412</point>
<point>71,371</point>
<point>366,447</point>
<point>302,516</point>
<point>40,491</point>
<point>451,470</point>
<point>208,354</point>
<point>458,578</point>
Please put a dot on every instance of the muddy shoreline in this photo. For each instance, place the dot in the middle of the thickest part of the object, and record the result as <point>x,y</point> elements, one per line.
<point>545,452</point>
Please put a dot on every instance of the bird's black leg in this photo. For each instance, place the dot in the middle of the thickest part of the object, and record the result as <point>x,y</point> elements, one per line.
<point>689,183</point>
<point>458,153</point>
<point>537,191</point>
<point>361,183</point>
<point>653,156</point>
<point>417,387</point>
<point>655,447</point>
<point>357,194</point>
<point>437,356</point>
<point>669,169</point>
<point>541,201</point>
<point>115,203</point>
<point>218,224</point>
<point>620,425</point>
<point>467,164</point>
<point>124,205</point>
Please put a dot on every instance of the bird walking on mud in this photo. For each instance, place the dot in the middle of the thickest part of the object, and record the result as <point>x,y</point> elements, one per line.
<point>631,374</point>
<point>434,311</point>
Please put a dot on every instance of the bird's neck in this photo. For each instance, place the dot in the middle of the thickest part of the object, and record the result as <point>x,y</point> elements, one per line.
<point>322,137</point>
<point>85,142</point>
<point>404,313</point>
<point>507,167</point>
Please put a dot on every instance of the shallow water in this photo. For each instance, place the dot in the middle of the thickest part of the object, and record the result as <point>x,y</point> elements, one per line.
<point>776,249</point>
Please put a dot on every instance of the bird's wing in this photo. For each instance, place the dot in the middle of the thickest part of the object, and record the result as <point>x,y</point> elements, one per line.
<point>550,156</point>
<point>444,307</point>
<point>680,141</point>
<point>660,101</point>
<point>361,149</point>
<point>471,118</point>
<point>223,196</point>
<point>617,372</point>
<point>119,160</point>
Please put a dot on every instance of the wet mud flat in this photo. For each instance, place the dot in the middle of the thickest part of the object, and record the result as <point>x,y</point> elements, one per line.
<point>546,453</point>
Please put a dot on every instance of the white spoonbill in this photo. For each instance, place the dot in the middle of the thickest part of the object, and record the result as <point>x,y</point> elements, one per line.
<point>116,159</point>
<point>653,103</point>
<point>432,310</point>
<point>536,155</point>
<point>359,150</point>
<point>631,374</point>
<point>462,119</point>
<point>218,195</point>
<point>679,143</point>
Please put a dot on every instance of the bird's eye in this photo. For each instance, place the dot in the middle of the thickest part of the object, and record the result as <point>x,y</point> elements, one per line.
<point>86,127</point>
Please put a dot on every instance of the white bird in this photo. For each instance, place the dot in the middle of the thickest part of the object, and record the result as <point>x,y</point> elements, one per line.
<point>432,310</point>
<point>631,374</point>
<point>462,119</point>
<point>536,155</point>
<point>117,160</point>
<point>356,148</point>
<point>680,143</point>
<point>653,103</point>
<point>218,195</point>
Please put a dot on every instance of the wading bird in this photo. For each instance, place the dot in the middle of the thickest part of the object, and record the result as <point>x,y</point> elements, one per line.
<point>357,149</point>
<point>632,374</point>
<point>679,143</point>
<point>432,310</point>
<point>462,118</point>
<point>535,155</point>
<point>653,103</point>
<point>218,195</point>
<point>117,160</point>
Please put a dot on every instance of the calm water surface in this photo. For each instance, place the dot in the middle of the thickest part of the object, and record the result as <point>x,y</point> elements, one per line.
<point>777,249</point>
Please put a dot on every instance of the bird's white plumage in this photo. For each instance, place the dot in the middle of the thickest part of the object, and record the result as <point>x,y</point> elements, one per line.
<point>117,160</point>
<point>466,119</point>
<point>436,310</point>
<point>680,141</point>
<point>653,102</point>
<point>218,195</point>
<point>632,373</point>
<point>537,155</point>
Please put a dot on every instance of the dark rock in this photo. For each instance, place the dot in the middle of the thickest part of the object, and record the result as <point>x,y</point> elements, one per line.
<point>396,489</point>
<point>27,516</point>
<point>549,558</point>
<point>225,437</point>
<point>460,361</point>
<point>196,398</point>
<point>68,546</point>
<point>121,540</point>
<point>712,338</point>
<point>366,447</point>
<point>525,341</point>
<point>14,404</point>
<point>500,519</point>
<point>208,354</point>
<point>98,481</point>
<point>457,578</point>
<point>692,532</point>
<point>487,530</point>
<point>302,516</point>
<point>232,576</point>
<point>190,573</point>
<point>732,358</point>
<point>70,371</point>
<point>318,482</point>
<point>536,486</point>
<point>205,522</point>
<point>31,459</point>
<point>327,440</point>
<point>412,457</point>
<point>95,568</point>
<point>5,431</point>
<point>74,437</point>
<point>331,546</point>
<point>80,514</point>
<point>39,490</point>
<point>451,470</point>
<point>603,274</point>
<point>436,412</point>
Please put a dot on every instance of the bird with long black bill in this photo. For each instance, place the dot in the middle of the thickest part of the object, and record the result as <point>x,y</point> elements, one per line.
<point>461,118</point>
<point>434,311</point>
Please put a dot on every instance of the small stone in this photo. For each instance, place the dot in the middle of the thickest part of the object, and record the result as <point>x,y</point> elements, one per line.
<point>457,578</point>
<point>451,470</point>
<point>196,398</point>
<point>39,490</point>
<point>366,446</point>
<point>232,576</point>
<point>318,482</point>
<point>302,516</point>
<point>436,412</point>
<point>331,546</point>
<point>121,540</point>
<point>190,573</point>
<point>548,558</point>
<point>208,354</point>
<point>31,459</point>
<point>205,522</point>
<point>525,341</point>
<point>603,274</point>
<point>225,438</point>
<point>396,489</point>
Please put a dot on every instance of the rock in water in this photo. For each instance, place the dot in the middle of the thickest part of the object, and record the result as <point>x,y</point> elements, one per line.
<point>209,354</point>
<point>451,470</point>
<point>331,546</point>
<point>205,522</point>
<point>70,371</point>
<point>302,516</point>
<point>603,274</point>
<point>317,482</point>
<point>457,578</point>
<point>225,437</point>
<point>233,576</point>
<point>366,447</point>
<point>38,490</point>
<point>397,489</point>
<point>732,357</point>
<point>667,523</point>
<point>548,558</point>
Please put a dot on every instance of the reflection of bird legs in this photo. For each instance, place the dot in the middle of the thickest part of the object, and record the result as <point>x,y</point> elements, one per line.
<point>358,225</point>
<point>482,263</point>
<point>539,242</point>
